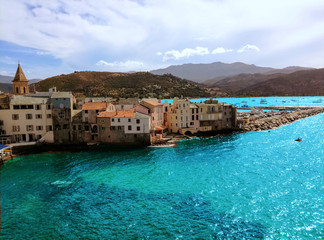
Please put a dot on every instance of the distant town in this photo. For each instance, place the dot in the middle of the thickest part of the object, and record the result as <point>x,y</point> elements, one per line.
<point>59,117</point>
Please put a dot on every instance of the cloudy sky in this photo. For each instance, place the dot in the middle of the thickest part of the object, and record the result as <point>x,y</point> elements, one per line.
<point>51,37</point>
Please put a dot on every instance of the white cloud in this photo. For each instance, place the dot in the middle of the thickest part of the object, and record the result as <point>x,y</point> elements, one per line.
<point>185,53</point>
<point>248,47</point>
<point>221,50</point>
<point>123,65</point>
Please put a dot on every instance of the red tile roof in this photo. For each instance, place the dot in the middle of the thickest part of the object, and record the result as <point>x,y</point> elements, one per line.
<point>152,102</point>
<point>118,114</point>
<point>94,106</point>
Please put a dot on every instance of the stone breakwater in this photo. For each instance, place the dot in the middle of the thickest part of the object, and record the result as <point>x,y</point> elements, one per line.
<point>274,121</point>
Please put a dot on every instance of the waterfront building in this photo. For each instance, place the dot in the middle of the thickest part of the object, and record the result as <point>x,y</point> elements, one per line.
<point>124,127</point>
<point>90,111</point>
<point>185,117</point>
<point>27,119</point>
<point>62,109</point>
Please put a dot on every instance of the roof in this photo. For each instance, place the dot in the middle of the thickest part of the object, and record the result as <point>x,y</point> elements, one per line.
<point>61,95</point>
<point>25,100</point>
<point>118,114</point>
<point>141,115</point>
<point>20,76</point>
<point>160,127</point>
<point>94,106</point>
<point>153,103</point>
<point>193,106</point>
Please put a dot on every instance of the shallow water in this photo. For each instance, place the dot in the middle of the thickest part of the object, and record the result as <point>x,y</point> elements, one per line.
<point>252,185</point>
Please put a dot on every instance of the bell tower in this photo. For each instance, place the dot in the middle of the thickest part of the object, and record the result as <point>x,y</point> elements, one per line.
<point>20,82</point>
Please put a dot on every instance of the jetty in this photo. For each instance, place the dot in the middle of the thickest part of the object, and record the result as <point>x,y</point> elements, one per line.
<point>257,119</point>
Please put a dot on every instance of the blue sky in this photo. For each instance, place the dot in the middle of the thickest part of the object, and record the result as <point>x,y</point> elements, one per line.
<point>51,37</point>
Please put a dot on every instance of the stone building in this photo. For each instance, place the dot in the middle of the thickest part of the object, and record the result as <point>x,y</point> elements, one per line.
<point>27,119</point>
<point>124,127</point>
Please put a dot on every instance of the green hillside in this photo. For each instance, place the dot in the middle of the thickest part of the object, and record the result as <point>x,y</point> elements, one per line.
<point>140,84</point>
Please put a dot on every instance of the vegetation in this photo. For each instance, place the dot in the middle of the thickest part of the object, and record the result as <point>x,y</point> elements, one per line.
<point>123,85</point>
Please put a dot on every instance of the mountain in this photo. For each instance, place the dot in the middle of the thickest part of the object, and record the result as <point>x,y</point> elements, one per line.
<point>140,84</point>
<point>6,87</point>
<point>5,79</point>
<point>8,79</point>
<point>300,83</point>
<point>233,84</point>
<point>203,72</point>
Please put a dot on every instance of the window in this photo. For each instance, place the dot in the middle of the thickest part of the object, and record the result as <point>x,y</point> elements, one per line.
<point>138,128</point>
<point>102,120</point>
<point>49,115</point>
<point>102,128</point>
<point>196,117</point>
<point>15,128</point>
<point>193,111</point>
<point>61,115</point>
<point>39,128</point>
<point>112,128</point>
<point>48,106</point>
<point>118,119</point>
<point>129,128</point>
<point>113,120</point>
<point>29,116</point>
<point>86,128</point>
<point>153,118</point>
<point>184,105</point>
<point>135,135</point>
<point>15,116</point>
<point>16,107</point>
<point>79,127</point>
<point>129,120</point>
<point>74,127</point>
<point>38,116</point>
<point>37,107</point>
<point>49,128</point>
<point>29,127</point>
<point>192,117</point>
<point>196,110</point>
<point>85,111</point>
<point>97,111</point>
<point>138,121</point>
<point>191,123</point>
<point>119,128</point>
<point>65,126</point>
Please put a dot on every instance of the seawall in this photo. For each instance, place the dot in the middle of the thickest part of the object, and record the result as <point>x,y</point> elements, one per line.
<point>276,121</point>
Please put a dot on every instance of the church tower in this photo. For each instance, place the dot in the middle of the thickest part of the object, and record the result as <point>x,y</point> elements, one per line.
<point>20,82</point>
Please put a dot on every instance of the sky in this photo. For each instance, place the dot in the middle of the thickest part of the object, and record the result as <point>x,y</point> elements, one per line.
<point>53,37</point>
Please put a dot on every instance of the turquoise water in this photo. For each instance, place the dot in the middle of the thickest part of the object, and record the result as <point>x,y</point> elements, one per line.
<point>242,186</point>
<point>268,101</point>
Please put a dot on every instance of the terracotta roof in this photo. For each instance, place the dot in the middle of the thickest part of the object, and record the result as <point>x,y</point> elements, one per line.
<point>94,106</point>
<point>20,76</point>
<point>160,127</point>
<point>118,114</point>
<point>152,102</point>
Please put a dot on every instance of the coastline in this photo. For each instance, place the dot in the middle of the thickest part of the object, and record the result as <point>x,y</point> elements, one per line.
<point>250,122</point>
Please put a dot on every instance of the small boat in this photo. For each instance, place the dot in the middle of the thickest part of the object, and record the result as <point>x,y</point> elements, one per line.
<point>263,101</point>
<point>298,139</point>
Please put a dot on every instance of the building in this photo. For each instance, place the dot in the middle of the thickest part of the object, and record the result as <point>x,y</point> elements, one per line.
<point>20,82</point>
<point>185,117</point>
<point>62,109</point>
<point>27,119</point>
<point>124,127</point>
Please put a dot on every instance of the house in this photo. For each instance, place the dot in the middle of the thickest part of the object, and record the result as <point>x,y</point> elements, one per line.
<point>124,127</point>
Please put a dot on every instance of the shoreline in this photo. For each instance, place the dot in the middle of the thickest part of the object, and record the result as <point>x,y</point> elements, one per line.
<point>250,123</point>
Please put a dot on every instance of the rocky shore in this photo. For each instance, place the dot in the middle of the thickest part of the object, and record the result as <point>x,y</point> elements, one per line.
<point>271,120</point>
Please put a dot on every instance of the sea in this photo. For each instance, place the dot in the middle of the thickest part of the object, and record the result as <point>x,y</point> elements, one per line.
<point>254,185</point>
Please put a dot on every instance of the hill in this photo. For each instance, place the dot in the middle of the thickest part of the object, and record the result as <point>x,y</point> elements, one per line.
<point>6,87</point>
<point>301,83</point>
<point>203,72</point>
<point>140,84</point>
<point>235,83</point>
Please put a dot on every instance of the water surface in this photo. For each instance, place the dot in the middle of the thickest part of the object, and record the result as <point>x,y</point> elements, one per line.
<point>252,185</point>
